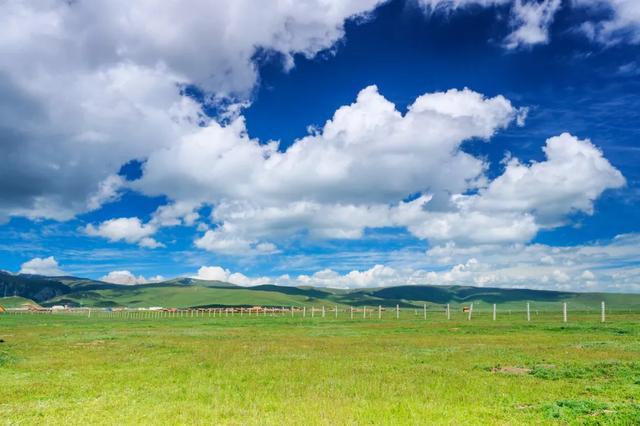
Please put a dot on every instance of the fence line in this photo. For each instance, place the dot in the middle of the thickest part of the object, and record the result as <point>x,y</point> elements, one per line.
<point>294,311</point>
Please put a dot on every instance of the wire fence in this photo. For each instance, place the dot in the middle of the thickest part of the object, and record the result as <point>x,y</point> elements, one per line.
<point>529,311</point>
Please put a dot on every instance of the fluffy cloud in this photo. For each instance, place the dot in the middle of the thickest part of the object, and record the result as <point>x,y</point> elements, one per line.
<point>622,23</point>
<point>571,178</point>
<point>42,266</point>
<point>127,278</point>
<point>129,229</point>
<point>616,264</point>
<point>567,268</point>
<point>614,21</point>
<point>217,273</point>
<point>530,19</point>
<point>322,183</point>
<point>86,86</point>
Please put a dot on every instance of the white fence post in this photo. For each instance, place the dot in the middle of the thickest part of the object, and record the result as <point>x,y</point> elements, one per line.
<point>602,312</point>
<point>336,311</point>
<point>322,311</point>
<point>397,311</point>
<point>494,311</point>
<point>528,312</point>
<point>470,311</point>
<point>379,311</point>
<point>304,311</point>
<point>352,312</point>
<point>364,312</point>
<point>564,312</point>
<point>424,307</point>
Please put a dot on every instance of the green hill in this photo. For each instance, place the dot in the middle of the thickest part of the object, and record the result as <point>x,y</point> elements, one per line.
<point>15,302</point>
<point>188,292</point>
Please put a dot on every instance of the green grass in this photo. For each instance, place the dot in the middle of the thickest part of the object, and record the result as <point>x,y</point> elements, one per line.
<point>15,302</point>
<point>178,296</point>
<point>67,368</point>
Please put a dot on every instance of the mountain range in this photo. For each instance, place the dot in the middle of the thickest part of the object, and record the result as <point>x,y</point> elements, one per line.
<point>190,292</point>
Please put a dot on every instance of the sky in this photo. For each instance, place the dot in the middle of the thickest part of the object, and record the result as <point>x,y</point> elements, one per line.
<point>329,143</point>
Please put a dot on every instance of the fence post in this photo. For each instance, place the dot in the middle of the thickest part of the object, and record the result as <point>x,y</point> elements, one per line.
<point>470,311</point>
<point>336,311</point>
<point>379,311</point>
<point>448,312</point>
<point>564,312</point>
<point>322,311</point>
<point>602,312</point>
<point>425,311</point>
<point>352,312</point>
<point>364,312</point>
<point>528,312</point>
<point>397,311</point>
<point>494,311</point>
<point>304,312</point>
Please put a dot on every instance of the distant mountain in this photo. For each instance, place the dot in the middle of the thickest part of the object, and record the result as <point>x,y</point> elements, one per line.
<point>190,292</point>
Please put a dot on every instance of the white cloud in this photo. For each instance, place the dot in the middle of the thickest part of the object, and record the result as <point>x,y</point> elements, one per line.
<point>87,86</point>
<point>621,25</point>
<point>532,21</point>
<point>42,266</point>
<point>617,263</point>
<point>217,273</point>
<point>322,183</point>
<point>571,178</point>
<point>127,278</point>
<point>616,21</point>
<point>128,229</point>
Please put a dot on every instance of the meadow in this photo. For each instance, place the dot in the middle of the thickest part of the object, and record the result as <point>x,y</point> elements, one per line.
<point>70,369</point>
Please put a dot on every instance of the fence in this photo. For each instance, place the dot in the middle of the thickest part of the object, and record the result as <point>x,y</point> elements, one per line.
<point>469,312</point>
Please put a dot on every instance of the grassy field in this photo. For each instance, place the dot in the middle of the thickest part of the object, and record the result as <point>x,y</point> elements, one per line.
<point>70,369</point>
<point>16,302</point>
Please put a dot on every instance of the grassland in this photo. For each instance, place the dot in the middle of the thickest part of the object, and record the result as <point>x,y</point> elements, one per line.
<point>16,302</point>
<point>70,369</point>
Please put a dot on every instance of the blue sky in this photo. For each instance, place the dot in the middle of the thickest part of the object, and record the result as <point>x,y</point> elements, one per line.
<point>131,155</point>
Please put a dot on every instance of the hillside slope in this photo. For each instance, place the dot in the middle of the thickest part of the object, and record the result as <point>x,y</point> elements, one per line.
<point>188,292</point>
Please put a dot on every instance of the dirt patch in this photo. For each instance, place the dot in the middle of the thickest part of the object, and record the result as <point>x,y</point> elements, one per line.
<point>92,343</point>
<point>516,371</point>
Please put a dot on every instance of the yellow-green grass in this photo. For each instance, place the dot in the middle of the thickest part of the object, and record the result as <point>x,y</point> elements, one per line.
<point>179,297</point>
<point>16,302</point>
<point>71,369</point>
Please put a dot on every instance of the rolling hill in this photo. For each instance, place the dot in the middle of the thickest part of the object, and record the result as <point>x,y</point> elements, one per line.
<point>188,292</point>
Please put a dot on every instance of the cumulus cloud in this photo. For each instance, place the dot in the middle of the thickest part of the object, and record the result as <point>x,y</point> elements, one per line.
<point>128,229</point>
<point>217,273</point>
<point>128,278</point>
<point>86,86</point>
<point>42,266</point>
<point>539,266</point>
<point>532,21</point>
<point>322,183</point>
<point>617,263</point>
